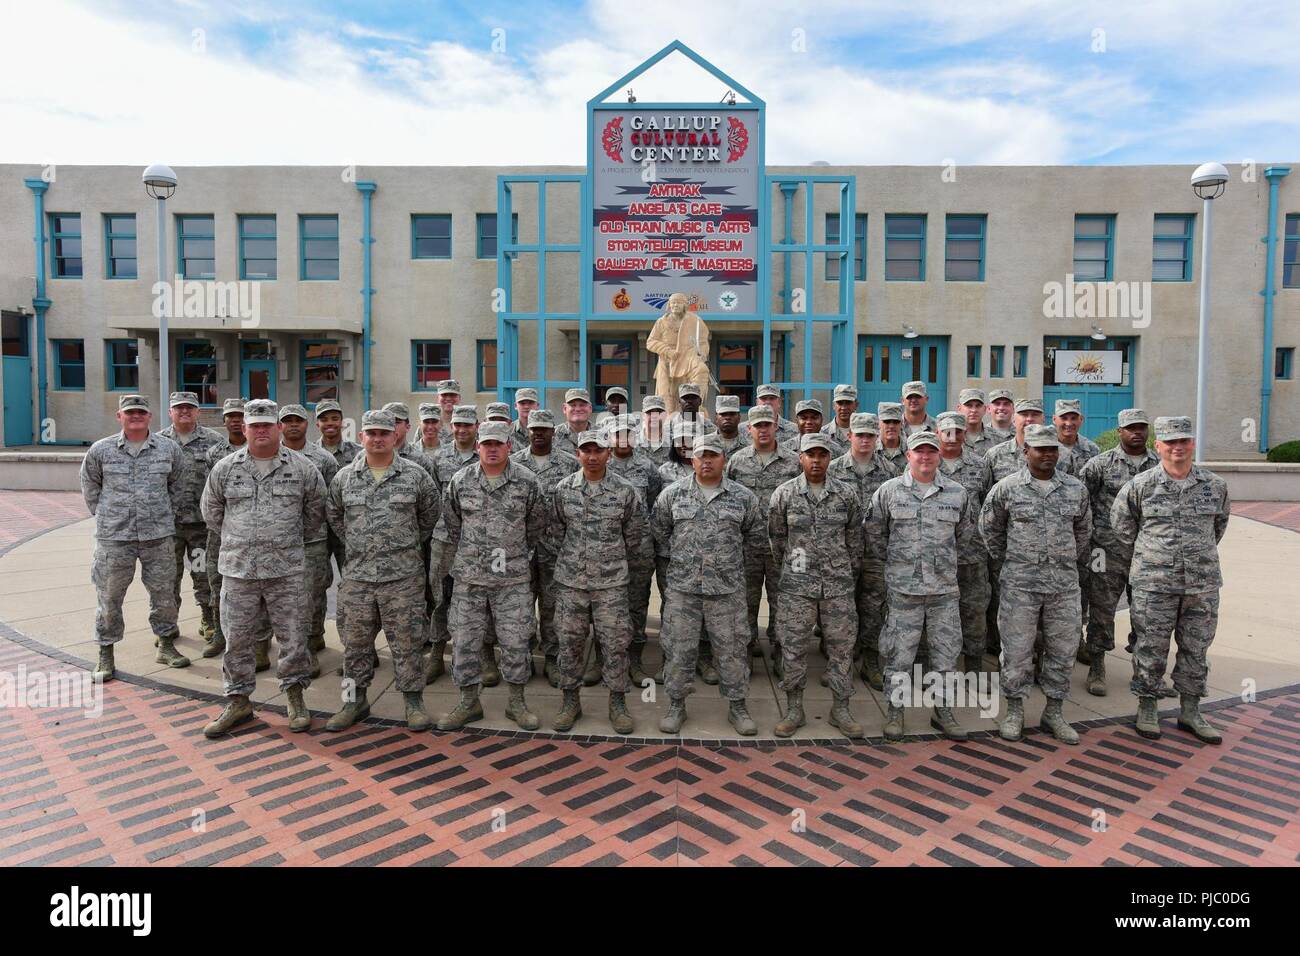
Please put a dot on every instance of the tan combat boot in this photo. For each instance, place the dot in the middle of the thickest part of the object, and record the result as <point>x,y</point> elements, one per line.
<point>1148,719</point>
<point>262,656</point>
<point>794,716</point>
<point>738,717</point>
<point>619,718</point>
<point>1097,674</point>
<point>105,669</point>
<point>517,709</point>
<point>842,718</point>
<point>870,670</point>
<point>671,722</point>
<point>434,665</point>
<point>1054,722</point>
<point>945,722</point>
<point>417,718</point>
<point>1012,726</point>
<point>350,712</point>
<point>1190,720</point>
<point>570,711</point>
<point>893,729</point>
<point>491,672</point>
<point>299,715</point>
<point>467,711</point>
<point>167,653</point>
<point>237,711</point>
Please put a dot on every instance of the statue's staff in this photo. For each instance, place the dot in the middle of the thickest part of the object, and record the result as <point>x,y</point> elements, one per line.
<point>695,347</point>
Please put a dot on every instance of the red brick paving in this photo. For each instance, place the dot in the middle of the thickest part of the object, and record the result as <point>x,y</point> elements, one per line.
<point>124,789</point>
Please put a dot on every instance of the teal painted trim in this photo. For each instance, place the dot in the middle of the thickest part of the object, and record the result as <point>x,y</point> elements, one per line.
<point>181,238</point>
<point>109,235</point>
<point>367,189</point>
<point>303,361</point>
<point>980,235</point>
<point>416,364</point>
<point>484,217</point>
<point>679,47</point>
<point>182,363</point>
<point>417,218</point>
<point>1274,175</point>
<point>40,303</point>
<point>303,240</point>
<point>56,235</point>
<point>1021,360</point>
<point>111,367</point>
<point>1188,221</point>
<point>896,219</point>
<point>480,345</point>
<point>1108,237</point>
<point>244,235</point>
<point>61,366</point>
<point>997,361</point>
<point>973,357</point>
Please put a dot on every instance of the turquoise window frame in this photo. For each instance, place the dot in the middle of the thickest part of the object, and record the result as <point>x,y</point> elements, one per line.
<point>1188,221</point>
<point>305,363</point>
<point>416,364</point>
<point>274,237</point>
<point>950,237</point>
<point>111,367</point>
<point>755,345</point>
<point>893,236</point>
<point>60,365</point>
<point>182,239</point>
<point>596,361</point>
<point>997,361</point>
<point>1108,237</point>
<point>481,348</point>
<point>303,239</point>
<point>1020,362</point>
<point>417,219</point>
<point>1284,363</point>
<point>859,246</point>
<point>58,236</point>
<point>110,235</point>
<point>1291,252</point>
<point>483,217</point>
<point>973,358</point>
<point>182,363</point>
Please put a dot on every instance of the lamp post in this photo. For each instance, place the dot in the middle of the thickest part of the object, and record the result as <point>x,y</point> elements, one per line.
<point>1208,183</point>
<point>160,183</point>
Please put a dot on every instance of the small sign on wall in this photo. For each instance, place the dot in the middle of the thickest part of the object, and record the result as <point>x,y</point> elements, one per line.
<point>1088,367</point>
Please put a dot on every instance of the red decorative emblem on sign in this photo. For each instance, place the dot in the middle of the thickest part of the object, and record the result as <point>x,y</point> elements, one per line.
<point>612,139</point>
<point>737,139</point>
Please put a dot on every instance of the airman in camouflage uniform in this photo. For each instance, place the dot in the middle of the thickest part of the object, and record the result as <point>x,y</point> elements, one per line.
<point>845,400</point>
<point>762,468</point>
<point>329,422</point>
<point>689,400</point>
<point>814,524</point>
<point>1076,449</point>
<point>493,516</point>
<point>919,523</point>
<point>654,439</point>
<point>1037,525</point>
<point>402,417</point>
<point>893,446</point>
<point>958,462</point>
<point>978,438</point>
<point>191,533</point>
<point>678,465</point>
<point>549,466</point>
<point>808,413</point>
<point>265,500</point>
<point>770,395</point>
<point>1173,518</point>
<point>427,442</point>
<point>577,419</point>
<point>449,401</point>
<point>526,402</point>
<point>597,521</point>
<point>915,418</point>
<point>701,523</point>
<point>384,507</point>
<point>629,463</point>
<point>1001,415</point>
<point>731,431</point>
<point>233,418</point>
<point>1104,476</point>
<point>864,468</point>
<point>133,483</point>
<point>453,454</point>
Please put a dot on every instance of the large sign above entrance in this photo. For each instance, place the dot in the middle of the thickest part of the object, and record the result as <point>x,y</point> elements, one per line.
<point>675,208</point>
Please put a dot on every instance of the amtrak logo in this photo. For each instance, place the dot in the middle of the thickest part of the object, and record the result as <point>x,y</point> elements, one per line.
<point>728,301</point>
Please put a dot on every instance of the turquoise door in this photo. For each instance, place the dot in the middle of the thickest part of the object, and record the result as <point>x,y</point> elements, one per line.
<point>887,362</point>
<point>256,370</point>
<point>18,379</point>
<point>1101,404</point>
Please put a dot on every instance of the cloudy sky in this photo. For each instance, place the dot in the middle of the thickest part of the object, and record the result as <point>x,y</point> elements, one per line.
<point>191,82</point>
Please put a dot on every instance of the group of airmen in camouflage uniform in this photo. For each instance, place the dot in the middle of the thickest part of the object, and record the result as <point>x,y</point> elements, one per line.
<point>894,537</point>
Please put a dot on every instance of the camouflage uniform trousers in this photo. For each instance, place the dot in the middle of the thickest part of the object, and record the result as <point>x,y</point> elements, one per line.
<point>973,580</point>
<point>1022,616</point>
<point>396,608</point>
<point>640,572</point>
<point>661,582</point>
<point>474,610</point>
<point>796,616</point>
<point>112,572</point>
<point>871,598</point>
<point>1104,589</point>
<point>212,557</point>
<point>246,606</point>
<point>605,609</point>
<point>726,618</point>
<point>317,575</point>
<point>544,593</point>
<point>756,574</point>
<point>992,639</point>
<point>441,609</point>
<point>939,615</point>
<point>337,551</point>
<point>192,542</point>
<point>1192,619</point>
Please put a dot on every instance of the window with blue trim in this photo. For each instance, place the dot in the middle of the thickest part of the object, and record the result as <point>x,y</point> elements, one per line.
<point>431,237</point>
<point>1171,248</point>
<point>318,248</point>
<point>905,248</point>
<point>1291,253</point>
<point>963,252</point>
<point>70,364</point>
<point>121,368</point>
<point>859,246</point>
<point>997,354</point>
<point>430,363</point>
<point>1020,361</point>
<point>119,246</point>
<point>1094,247</point>
<point>257,255</point>
<point>972,361</point>
<point>65,245</point>
<point>487,365</point>
<point>196,369</point>
<point>320,371</point>
<point>1284,363</point>
<point>196,246</point>
<point>486,226</point>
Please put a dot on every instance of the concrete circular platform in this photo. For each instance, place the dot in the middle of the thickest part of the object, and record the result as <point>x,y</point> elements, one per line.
<point>46,596</point>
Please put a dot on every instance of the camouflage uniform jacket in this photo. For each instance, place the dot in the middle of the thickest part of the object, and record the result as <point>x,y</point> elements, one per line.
<point>133,497</point>
<point>383,524</point>
<point>704,425</point>
<point>597,531</point>
<point>345,454</point>
<point>450,460</point>
<point>980,444</point>
<point>1037,541</point>
<point>919,538</point>
<point>196,446</point>
<point>732,445</point>
<point>566,439</point>
<point>762,480</point>
<point>968,471</point>
<point>519,439</point>
<point>674,470</point>
<point>264,520</point>
<point>1104,476</point>
<point>1174,532</point>
<point>488,533</point>
<point>931,424</point>
<point>658,454</point>
<point>328,468</point>
<point>840,446</point>
<point>821,536</point>
<point>879,470</point>
<point>999,435</point>
<point>1002,460</point>
<point>840,437</point>
<point>785,429</point>
<point>895,456</point>
<point>703,538</point>
<point>638,470</point>
<point>1073,458</point>
<point>220,450</point>
<point>558,467</point>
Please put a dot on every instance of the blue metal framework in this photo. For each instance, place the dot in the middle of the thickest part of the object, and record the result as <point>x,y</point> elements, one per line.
<point>509,321</point>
